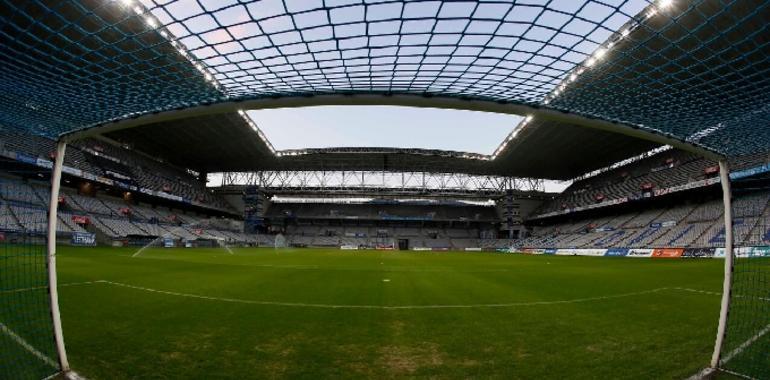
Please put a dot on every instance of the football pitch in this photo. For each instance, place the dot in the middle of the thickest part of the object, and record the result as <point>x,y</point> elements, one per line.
<point>326,313</point>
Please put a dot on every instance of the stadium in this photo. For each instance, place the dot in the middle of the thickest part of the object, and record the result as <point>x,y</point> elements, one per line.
<point>154,223</point>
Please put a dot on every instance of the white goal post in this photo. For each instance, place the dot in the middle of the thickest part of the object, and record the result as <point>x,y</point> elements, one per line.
<point>53,206</point>
<point>724,174</point>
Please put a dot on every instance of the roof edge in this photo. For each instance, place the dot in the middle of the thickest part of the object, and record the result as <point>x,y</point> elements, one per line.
<point>445,102</point>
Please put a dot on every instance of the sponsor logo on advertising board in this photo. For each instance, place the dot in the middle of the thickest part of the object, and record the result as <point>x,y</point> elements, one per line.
<point>687,186</point>
<point>81,219</point>
<point>760,252</point>
<point>616,252</point>
<point>580,252</point>
<point>744,252</point>
<point>667,252</point>
<point>550,251</point>
<point>45,164</point>
<point>698,253</point>
<point>591,252</point>
<point>750,172</point>
<point>639,252</point>
<point>83,238</point>
<point>26,158</point>
<point>589,207</point>
<point>349,247</point>
<point>168,242</point>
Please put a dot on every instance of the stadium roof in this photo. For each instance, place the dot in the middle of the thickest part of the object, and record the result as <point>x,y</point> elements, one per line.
<point>691,74</point>
<point>227,143</point>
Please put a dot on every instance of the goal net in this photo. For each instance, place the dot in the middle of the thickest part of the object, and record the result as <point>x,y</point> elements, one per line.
<point>27,347</point>
<point>280,241</point>
<point>190,235</point>
<point>746,347</point>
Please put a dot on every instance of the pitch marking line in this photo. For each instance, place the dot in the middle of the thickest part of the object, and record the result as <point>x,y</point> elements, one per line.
<point>46,287</point>
<point>382,307</point>
<point>707,372</point>
<point>738,350</point>
<point>34,351</point>
<point>698,291</point>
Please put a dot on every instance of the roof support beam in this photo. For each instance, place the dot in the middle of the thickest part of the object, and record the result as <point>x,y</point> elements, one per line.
<point>538,111</point>
<point>383,182</point>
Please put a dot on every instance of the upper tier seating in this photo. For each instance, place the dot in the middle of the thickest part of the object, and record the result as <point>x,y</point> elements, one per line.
<point>660,171</point>
<point>106,160</point>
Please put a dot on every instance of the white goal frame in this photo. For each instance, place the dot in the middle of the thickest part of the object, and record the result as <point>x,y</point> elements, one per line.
<point>724,176</point>
<point>53,291</point>
<point>399,100</point>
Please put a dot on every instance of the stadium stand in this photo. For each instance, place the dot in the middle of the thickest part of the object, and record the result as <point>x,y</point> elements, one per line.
<point>441,224</point>
<point>687,226</point>
<point>95,159</point>
<point>668,169</point>
<point>23,206</point>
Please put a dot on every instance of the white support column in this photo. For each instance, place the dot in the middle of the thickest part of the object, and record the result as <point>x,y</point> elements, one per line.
<point>724,174</point>
<point>52,285</point>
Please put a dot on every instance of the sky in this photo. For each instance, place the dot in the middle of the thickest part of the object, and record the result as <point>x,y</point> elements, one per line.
<point>384,126</point>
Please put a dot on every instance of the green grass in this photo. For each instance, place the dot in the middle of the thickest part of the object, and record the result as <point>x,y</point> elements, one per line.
<point>116,332</point>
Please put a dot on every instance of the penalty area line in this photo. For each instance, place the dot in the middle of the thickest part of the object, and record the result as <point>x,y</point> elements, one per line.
<point>708,372</point>
<point>23,343</point>
<point>21,290</point>
<point>738,350</point>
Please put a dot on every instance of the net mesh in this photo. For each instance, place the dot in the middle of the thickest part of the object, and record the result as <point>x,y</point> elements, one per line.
<point>694,70</point>
<point>280,241</point>
<point>27,348</point>
<point>746,350</point>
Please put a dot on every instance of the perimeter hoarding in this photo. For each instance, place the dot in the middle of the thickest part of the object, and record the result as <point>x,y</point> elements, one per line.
<point>698,253</point>
<point>580,252</point>
<point>616,252</point>
<point>639,252</point>
<point>745,252</point>
<point>760,252</point>
<point>670,253</point>
<point>83,238</point>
